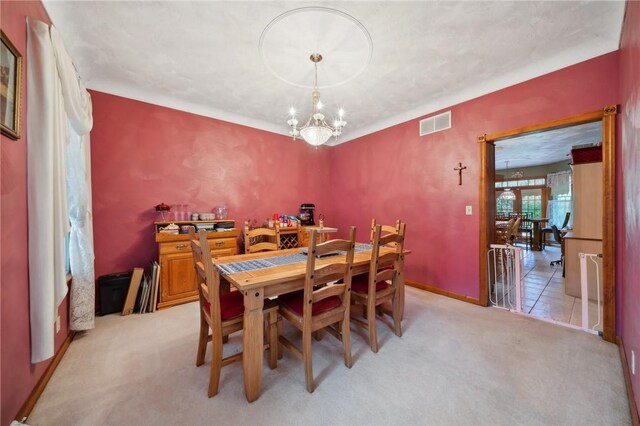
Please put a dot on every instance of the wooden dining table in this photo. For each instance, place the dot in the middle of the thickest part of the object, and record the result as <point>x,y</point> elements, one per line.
<point>536,243</point>
<point>536,230</point>
<point>258,284</point>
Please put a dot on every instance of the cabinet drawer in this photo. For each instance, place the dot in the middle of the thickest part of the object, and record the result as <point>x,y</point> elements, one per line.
<point>222,243</point>
<point>223,252</point>
<point>175,247</point>
<point>185,246</point>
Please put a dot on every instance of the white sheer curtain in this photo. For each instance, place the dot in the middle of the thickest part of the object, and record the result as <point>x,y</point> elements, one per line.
<point>58,111</point>
<point>80,121</point>
<point>561,202</point>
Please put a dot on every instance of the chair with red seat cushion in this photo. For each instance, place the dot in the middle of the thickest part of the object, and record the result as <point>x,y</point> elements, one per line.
<point>324,301</point>
<point>261,239</point>
<point>384,283</point>
<point>293,301</point>
<point>360,284</point>
<point>231,305</point>
<point>222,313</point>
<point>386,229</point>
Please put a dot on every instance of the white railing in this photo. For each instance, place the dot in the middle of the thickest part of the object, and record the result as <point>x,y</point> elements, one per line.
<point>584,290</point>
<point>505,267</point>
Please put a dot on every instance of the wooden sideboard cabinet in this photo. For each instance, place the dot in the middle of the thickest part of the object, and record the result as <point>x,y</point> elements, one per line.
<point>177,274</point>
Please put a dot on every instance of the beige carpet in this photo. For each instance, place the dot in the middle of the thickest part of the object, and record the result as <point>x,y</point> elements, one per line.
<point>456,364</point>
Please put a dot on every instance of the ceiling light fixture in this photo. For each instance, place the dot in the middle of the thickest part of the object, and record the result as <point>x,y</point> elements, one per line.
<point>507,194</point>
<point>316,131</point>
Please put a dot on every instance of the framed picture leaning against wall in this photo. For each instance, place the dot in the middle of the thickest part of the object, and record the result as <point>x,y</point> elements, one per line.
<point>10,88</point>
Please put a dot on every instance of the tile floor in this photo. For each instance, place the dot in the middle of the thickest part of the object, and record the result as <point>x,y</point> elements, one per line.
<point>543,291</point>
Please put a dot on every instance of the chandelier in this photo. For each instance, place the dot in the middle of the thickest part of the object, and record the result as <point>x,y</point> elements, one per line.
<point>507,194</point>
<point>316,131</point>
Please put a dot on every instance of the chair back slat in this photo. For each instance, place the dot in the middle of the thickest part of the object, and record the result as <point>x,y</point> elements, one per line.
<point>328,273</point>
<point>328,291</point>
<point>390,238</point>
<point>386,275</point>
<point>329,246</point>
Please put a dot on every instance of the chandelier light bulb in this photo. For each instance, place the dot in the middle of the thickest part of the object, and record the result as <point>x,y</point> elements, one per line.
<point>292,111</point>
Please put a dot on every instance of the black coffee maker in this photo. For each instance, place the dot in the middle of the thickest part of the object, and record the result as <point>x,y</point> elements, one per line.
<point>306,214</point>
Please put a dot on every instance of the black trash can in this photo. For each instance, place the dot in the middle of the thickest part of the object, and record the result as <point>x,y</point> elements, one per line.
<point>113,290</point>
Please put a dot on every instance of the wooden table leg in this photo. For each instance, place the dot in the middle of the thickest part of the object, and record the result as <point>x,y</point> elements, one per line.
<point>225,287</point>
<point>400,279</point>
<point>401,298</point>
<point>252,342</point>
<point>537,240</point>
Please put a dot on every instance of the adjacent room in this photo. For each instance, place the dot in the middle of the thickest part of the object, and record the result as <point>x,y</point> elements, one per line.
<point>340,212</point>
<point>549,204</point>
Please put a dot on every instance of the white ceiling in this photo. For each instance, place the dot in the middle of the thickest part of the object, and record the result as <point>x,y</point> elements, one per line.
<point>204,56</point>
<point>548,147</point>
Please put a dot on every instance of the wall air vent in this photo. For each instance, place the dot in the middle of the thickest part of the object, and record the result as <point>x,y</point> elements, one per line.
<point>436,123</point>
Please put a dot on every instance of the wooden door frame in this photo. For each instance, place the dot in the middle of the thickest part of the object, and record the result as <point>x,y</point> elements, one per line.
<point>607,116</point>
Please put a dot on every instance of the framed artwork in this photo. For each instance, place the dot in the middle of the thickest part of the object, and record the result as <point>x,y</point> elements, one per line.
<point>10,88</point>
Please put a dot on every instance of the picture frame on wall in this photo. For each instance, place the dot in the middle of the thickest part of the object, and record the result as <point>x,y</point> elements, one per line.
<point>10,88</point>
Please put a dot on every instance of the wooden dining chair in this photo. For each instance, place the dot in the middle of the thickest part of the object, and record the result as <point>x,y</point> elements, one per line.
<point>222,313</point>
<point>324,301</point>
<point>261,239</point>
<point>504,232</point>
<point>383,283</point>
<point>525,228</point>
<point>386,229</point>
<point>512,233</point>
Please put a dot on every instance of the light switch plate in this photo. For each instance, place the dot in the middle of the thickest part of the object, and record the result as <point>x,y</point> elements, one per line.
<point>468,210</point>
<point>58,324</point>
<point>633,362</point>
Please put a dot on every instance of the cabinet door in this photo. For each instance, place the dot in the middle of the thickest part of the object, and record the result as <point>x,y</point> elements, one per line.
<point>178,277</point>
<point>587,201</point>
<point>305,238</point>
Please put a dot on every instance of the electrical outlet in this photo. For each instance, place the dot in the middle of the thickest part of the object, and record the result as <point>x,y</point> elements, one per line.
<point>58,324</point>
<point>633,362</point>
<point>468,210</point>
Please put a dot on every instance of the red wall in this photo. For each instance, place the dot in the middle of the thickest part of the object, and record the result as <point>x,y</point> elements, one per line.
<point>630,280</point>
<point>19,376</point>
<point>144,154</point>
<point>395,173</point>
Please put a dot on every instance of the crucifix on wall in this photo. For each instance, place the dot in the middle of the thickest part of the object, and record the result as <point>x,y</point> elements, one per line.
<point>459,169</point>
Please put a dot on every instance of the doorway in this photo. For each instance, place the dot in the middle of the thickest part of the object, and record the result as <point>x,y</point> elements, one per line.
<point>487,145</point>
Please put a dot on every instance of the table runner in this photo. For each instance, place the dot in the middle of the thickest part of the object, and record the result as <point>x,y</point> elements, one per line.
<point>250,265</point>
